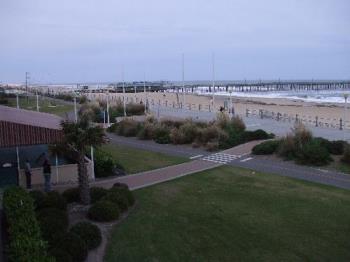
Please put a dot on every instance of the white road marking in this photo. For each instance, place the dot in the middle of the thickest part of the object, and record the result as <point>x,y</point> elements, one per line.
<point>194,157</point>
<point>246,159</point>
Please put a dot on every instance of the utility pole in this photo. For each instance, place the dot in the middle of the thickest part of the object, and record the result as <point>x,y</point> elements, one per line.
<point>27,81</point>
<point>123,91</point>
<point>145,92</point>
<point>213,81</point>
<point>183,79</point>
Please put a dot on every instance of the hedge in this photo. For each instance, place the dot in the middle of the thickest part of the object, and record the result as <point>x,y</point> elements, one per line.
<point>89,233</point>
<point>25,241</point>
<point>72,195</point>
<point>266,148</point>
<point>103,211</point>
<point>53,199</point>
<point>74,246</point>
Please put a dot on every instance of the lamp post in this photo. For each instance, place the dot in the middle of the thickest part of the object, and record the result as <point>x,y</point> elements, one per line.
<point>124,105</point>
<point>145,93</point>
<point>37,101</point>
<point>231,106</point>
<point>108,122</point>
<point>345,107</point>
<point>17,99</point>
<point>75,109</point>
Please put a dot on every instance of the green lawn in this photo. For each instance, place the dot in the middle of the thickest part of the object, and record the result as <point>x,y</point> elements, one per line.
<point>45,105</point>
<point>232,214</point>
<point>137,160</point>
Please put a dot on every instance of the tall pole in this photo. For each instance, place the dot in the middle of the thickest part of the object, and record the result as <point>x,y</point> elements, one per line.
<point>231,106</point>
<point>27,78</point>
<point>17,99</point>
<point>108,122</point>
<point>75,110</point>
<point>345,105</point>
<point>145,92</point>
<point>124,105</point>
<point>183,79</point>
<point>37,101</point>
<point>213,81</point>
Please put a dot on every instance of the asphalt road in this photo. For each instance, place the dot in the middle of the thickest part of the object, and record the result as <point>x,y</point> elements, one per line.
<point>256,163</point>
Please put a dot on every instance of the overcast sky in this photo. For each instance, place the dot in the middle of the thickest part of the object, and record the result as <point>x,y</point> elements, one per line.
<point>85,40</point>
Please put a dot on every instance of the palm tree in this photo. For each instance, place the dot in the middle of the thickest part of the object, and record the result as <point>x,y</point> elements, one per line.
<point>81,136</point>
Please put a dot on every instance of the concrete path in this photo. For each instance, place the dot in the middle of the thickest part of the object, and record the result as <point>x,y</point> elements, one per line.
<point>256,163</point>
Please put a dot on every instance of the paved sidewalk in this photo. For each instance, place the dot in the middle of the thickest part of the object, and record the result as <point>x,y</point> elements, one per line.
<point>156,176</point>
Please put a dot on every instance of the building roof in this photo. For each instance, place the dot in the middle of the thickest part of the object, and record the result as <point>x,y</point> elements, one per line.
<point>27,117</point>
<point>20,127</point>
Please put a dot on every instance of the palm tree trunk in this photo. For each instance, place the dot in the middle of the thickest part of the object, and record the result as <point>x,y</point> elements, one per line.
<point>83,180</point>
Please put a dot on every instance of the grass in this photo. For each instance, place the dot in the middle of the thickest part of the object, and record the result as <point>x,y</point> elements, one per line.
<point>47,106</point>
<point>137,160</point>
<point>233,214</point>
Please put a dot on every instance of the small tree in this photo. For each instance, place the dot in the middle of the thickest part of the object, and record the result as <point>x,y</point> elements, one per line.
<point>81,136</point>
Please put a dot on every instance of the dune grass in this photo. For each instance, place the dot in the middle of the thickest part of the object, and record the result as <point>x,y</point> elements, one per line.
<point>233,214</point>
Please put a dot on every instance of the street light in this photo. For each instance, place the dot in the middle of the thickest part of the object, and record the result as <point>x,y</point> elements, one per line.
<point>231,106</point>
<point>346,99</point>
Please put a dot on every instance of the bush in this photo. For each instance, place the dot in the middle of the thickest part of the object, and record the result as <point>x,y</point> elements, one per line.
<point>313,153</point>
<point>61,255</point>
<point>38,197</point>
<point>135,109</point>
<point>103,211</point>
<point>266,148</point>
<point>74,246</point>
<point>162,135</point>
<point>337,147</point>
<point>53,224</point>
<point>105,164</point>
<point>208,134</point>
<point>258,134</point>
<point>72,195</point>
<point>89,233</point>
<point>25,241</point>
<point>346,156</point>
<point>128,127</point>
<point>287,148</point>
<point>97,193</point>
<point>121,185</point>
<point>301,135</point>
<point>117,196</point>
<point>112,128</point>
<point>146,131</point>
<point>237,124</point>
<point>53,199</point>
<point>212,146</point>
<point>189,132</point>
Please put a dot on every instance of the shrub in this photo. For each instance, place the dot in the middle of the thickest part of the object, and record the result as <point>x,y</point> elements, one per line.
<point>337,147</point>
<point>222,120</point>
<point>176,136</point>
<point>287,148</point>
<point>53,199</point>
<point>103,211</point>
<point>97,193</point>
<point>258,134</point>
<point>346,156</point>
<point>212,146</point>
<point>238,124</point>
<point>61,255</point>
<point>74,246</point>
<point>121,185</point>
<point>146,131</point>
<point>117,196</point>
<point>72,195</point>
<point>189,132</point>
<point>313,153</point>
<point>162,135</point>
<point>171,123</point>
<point>112,128</point>
<point>266,148</point>
<point>128,127</point>
<point>25,242</point>
<point>89,233</point>
<point>208,134</point>
<point>301,135</point>
<point>53,224</point>
<point>105,164</point>
<point>38,197</point>
<point>135,109</point>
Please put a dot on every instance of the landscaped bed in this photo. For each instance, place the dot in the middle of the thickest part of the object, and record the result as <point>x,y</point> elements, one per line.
<point>51,227</point>
<point>224,132</point>
<point>233,214</point>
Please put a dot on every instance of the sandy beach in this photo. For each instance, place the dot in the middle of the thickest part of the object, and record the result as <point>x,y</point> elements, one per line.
<point>331,112</point>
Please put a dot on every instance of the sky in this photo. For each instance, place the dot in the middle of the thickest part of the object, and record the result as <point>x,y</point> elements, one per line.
<point>71,41</point>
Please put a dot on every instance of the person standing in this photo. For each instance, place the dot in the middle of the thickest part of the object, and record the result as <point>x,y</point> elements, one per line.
<point>28,174</point>
<point>47,174</point>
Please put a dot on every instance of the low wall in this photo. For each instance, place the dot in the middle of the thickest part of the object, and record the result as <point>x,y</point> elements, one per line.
<point>64,174</point>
